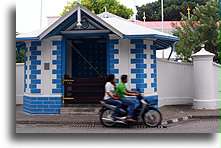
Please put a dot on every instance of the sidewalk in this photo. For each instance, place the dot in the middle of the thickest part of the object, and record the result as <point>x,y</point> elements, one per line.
<point>170,112</point>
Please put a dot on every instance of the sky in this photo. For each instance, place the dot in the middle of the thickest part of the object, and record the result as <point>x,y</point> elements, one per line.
<point>28,11</point>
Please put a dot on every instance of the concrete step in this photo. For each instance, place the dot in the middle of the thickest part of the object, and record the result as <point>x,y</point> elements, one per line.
<point>80,110</point>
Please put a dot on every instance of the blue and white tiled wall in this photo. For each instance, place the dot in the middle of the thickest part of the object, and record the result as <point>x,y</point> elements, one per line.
<point>113,58</point>
<point>42,94</point>
<point>143,68</point>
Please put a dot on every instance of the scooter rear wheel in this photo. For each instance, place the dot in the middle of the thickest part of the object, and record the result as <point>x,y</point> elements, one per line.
<point>152,117</point>
<point>106,119</point>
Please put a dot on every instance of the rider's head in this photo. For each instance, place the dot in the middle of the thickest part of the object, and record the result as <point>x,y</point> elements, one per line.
<point>124,78</point>
<point>110,78</point>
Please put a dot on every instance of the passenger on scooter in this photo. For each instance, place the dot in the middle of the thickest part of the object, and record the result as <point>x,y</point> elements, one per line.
<point>109,95</point>
<point>121,90</point>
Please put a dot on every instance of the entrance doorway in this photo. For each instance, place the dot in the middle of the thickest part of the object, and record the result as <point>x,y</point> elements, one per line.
<point>86,69</point>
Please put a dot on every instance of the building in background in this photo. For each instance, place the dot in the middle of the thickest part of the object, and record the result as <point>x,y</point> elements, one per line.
<point>66,62</point>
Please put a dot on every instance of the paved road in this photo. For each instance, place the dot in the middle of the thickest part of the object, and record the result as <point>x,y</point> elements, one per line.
<point>194,126</point>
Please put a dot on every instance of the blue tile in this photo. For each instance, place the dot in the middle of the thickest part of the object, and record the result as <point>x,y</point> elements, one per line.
<point>155,89</point>
<point>36,62</point>
<point>141,75</point>
<point>56,71</point>
<point>35,81</point>
<point>56,90</point>
<point>55,106</point>
<point>36,91</point>
<point>35,53</point>
<point>55,98</point>
<point>33,58</point>
<point>57,102</point>
<point>135,41</point>
<point>153,75</point>
<point>54,43</point>
<point>56,52</point>
<point>141,66</point>
<point>35,72</point>
<point>36,102</point>
<point>143,56</point>
<point>153,66</point>
<point>114,71</point>
<point>33,48</point>
<point>33,67</point>
<point>59,67</point>
<point>56,81</point>
<point>48,110</point>
<point>42,98</point>
<point>140,46</point>
<point>137,80</point>
<point>56,61</point>
<point>153,56</point>
<point>137,70</point>
<point>137,51</point>
<point>113,41</point>
<point>42,106</point>
<point>141,85</point>
<point>32,76</point>
<point>137,61</point>
<point>115,51</point>
<point>152,47</point>
<point>48,102</point>
<point>153,84</point>
<point>114,61</point>
<point>59,85</point>
<point>59,47</point>
<point>32,86</point>
<point>155,80</point>
<point>59,76</point>
<point>36,43</point>
<point>155,70</point>
<point>59,57</point>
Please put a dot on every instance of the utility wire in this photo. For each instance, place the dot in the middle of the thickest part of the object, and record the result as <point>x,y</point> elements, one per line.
<point>85,59</point>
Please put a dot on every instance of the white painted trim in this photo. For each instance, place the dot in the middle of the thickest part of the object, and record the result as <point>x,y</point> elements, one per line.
<point>69,13</point>
<point>85,31</point>
<point>39,95</point>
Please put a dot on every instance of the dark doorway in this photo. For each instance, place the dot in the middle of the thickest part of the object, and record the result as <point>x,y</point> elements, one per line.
<point>89,66</point>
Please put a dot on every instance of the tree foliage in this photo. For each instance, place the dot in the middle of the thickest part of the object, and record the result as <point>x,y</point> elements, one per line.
<point>172,9</point>
<point>19,57</point>
<point>202,28</point>
<point>113,6</point>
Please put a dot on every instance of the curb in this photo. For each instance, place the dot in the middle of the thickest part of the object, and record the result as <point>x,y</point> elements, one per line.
<point>175,120</point>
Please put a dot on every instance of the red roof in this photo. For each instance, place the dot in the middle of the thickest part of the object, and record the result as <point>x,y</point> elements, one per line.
<point>156,24</point>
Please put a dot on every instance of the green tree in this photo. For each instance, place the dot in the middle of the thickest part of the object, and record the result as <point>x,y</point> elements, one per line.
<point>172,9</point>
<point>19,57</point>
<point>113,6</point>
<point>202,28</point>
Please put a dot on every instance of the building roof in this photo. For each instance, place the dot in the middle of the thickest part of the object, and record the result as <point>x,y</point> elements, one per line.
<point>115,24</point>
<point>157,24</point>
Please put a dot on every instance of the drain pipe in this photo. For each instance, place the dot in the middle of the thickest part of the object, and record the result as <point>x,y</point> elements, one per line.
<point>172,49</point>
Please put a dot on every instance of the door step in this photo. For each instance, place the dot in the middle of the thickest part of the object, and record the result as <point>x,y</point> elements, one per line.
<point>80,109</point>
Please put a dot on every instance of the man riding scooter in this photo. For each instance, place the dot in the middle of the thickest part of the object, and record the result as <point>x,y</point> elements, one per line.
<point>121,90</point>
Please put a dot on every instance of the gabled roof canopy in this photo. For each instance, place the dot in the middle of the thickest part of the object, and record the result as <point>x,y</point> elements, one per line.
<point>115,24</point>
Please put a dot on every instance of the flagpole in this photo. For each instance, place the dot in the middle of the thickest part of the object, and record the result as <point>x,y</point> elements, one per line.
<point>162,17</point>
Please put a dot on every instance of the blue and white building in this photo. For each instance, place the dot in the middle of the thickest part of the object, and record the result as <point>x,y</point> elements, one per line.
<point>85,46</point>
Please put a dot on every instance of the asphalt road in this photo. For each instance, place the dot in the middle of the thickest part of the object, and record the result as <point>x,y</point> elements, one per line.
<point>193,126</point>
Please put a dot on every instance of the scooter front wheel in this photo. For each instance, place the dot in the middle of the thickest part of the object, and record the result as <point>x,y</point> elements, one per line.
<point>106,119</point>
<point>152,117</point>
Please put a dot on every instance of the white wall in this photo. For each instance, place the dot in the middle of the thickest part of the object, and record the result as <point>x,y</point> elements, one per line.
<point>217,78</point>
<point>19,82</point>
<point>175,82</point>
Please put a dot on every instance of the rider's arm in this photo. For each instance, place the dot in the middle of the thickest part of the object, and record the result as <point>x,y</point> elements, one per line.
<point>110,95</point>
<point>129,91</point>
<point>130,94</point>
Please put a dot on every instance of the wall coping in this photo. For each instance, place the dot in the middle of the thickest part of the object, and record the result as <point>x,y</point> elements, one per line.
<point>19,64</point>
<point>174,62</point>
<point>217,65</point>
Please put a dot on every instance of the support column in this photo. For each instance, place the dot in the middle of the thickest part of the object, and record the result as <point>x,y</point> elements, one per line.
<point>204,93</point>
